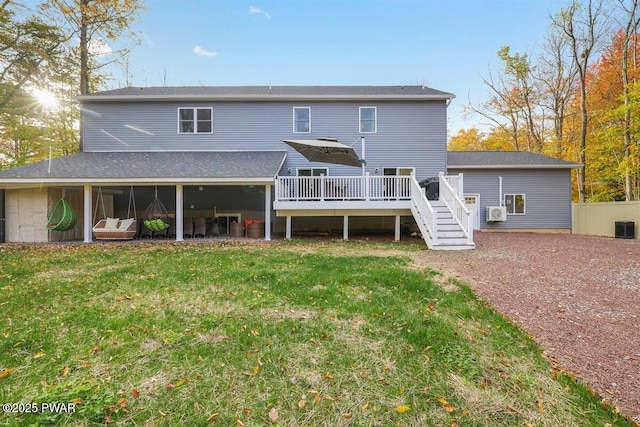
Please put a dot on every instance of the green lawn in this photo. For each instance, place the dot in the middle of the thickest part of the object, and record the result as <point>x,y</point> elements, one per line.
<point>282,334</point>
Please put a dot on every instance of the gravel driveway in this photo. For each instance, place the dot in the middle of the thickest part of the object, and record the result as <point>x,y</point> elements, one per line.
<point>578,296</point>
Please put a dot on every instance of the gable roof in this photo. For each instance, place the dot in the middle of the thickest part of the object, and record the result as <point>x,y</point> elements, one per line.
<point>149,167</point>
<point>504,160</point>
<point>268,93</point>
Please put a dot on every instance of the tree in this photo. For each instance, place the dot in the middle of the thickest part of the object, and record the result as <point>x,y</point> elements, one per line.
<point>556,80</point>
<point>26,47</point>
<point>630,35</point>
<point>94,22</point>
<point>583,29</point>
<point>512,106</point>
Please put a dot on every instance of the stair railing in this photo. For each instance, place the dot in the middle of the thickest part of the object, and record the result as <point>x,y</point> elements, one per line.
<point>452,197</point>
<point>423,213</point>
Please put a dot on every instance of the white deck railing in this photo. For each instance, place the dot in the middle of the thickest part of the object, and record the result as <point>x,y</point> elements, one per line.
<point>423,213</point>
<point>321,188</point>
<point>451,193</point>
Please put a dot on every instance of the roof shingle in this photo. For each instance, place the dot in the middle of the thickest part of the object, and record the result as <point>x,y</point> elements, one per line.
<point>504,160</point>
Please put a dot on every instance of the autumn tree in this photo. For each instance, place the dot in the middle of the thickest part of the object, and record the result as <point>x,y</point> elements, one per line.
<point>94,23</point>
<point>583,28</point>
<point>629,50</point>
<point>27,45</point>
<point>556,82</point>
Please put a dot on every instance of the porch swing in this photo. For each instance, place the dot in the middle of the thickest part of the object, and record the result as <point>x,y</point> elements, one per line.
<point>115,228</point>
<point>63,217</point>
<point>156,217</point>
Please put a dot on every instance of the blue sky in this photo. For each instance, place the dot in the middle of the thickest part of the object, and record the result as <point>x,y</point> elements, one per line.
<point>446,44</point>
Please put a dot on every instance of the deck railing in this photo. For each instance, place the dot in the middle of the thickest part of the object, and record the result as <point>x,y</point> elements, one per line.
<point>423,213</point>
<point>321,188</point>
<point>451,193</point>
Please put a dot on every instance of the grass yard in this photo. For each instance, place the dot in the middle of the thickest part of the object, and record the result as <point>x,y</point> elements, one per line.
<point>282,334</point>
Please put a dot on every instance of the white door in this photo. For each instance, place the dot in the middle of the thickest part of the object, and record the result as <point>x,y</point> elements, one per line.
<point>472,202</point>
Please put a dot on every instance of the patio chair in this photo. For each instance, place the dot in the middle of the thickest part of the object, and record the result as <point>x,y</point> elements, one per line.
<point>199,227</point>
<point>187,227</point>
<point>213,229</point>
<point>172,228</point>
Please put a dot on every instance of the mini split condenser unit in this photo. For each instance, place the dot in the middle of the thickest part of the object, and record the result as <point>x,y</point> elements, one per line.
<point>496,213</point>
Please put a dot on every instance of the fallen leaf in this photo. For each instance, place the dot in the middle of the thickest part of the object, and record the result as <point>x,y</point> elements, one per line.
<point>446,405</point>
<point>302,403</point>
<point>403,408</point>
<point>239,423</point>
<point>347,415</point>
<point>38,355</point>
<point>273,415</point>
<point>213,416</point>
<point>66,371</point>
<point>5,373</point>
<point>162,414</point>
<point>135,393</point>
<point>181,382</point>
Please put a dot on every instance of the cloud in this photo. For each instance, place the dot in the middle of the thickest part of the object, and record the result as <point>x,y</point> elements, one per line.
<point>99,47</point>
<point>257,11</point>
<point>198,50</point>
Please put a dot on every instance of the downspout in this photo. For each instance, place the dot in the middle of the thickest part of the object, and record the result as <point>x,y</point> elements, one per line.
<point>500,199</point>
<point>363,159</point>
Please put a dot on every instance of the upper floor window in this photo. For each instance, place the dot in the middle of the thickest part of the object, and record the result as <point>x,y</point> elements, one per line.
<point>368,120</point>
<point>301,119</point>
<point>195,120</point>
<point>515,204</point>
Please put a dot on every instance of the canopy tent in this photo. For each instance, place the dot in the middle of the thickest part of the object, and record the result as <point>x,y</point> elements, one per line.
<point>325,150</point>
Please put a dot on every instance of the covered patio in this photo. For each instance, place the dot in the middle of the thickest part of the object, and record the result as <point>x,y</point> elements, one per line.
<point>184,179</point>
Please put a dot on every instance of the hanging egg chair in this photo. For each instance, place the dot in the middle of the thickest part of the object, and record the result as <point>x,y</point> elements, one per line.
<point>63,217</point>
<point>156,217</point>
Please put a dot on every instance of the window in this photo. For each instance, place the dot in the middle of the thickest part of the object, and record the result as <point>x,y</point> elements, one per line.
<point>195,120</point>
<point>515,204</point>
<point>368,119</point>
<point>301,119</point>
<point>313,171</point>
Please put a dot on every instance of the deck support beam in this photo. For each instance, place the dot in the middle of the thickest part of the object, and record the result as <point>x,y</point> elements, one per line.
<point>288,228</point>
<point>345,227</point>
<point>267,212</point>
<point>88,223</point>
<point>179,213</point>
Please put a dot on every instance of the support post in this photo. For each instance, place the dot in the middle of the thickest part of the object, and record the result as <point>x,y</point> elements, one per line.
<point>288,228</point>
<point>179,213</point>
<point>87,226</point>
<point>267,212</point>
<point>345,227</point>
<point>397,236</point>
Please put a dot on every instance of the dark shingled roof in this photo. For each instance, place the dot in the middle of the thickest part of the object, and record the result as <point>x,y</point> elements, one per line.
<point>504,160</point>
<point>193,166</point>
<point>266,93</point>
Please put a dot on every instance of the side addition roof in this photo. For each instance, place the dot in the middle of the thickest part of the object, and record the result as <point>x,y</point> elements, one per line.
<point>504,160</point>
<point>250,167</point>
<point>268,93</point>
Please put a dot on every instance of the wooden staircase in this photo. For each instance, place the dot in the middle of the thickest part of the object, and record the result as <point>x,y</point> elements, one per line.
<point>449,234</point>
<point>440,228</point>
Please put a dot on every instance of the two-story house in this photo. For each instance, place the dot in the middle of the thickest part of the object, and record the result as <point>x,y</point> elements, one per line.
<point>218,154</point>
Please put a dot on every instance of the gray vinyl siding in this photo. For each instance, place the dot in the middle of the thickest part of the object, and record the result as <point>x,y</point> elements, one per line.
<point>547,196</point>
<point>409,134</point>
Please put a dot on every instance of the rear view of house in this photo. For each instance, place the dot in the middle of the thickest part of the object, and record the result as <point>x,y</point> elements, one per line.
<point>218,154</point>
